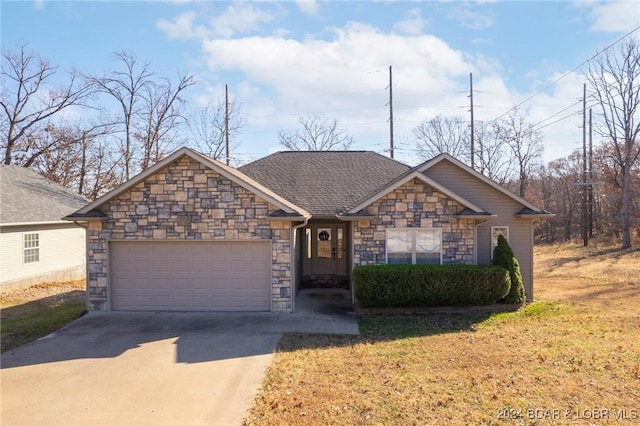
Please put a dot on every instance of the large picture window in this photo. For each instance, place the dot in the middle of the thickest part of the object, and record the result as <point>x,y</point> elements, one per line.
<point>31,248</point>
<point>414,246</point>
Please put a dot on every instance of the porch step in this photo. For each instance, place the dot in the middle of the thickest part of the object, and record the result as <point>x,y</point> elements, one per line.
<point>325,281</point>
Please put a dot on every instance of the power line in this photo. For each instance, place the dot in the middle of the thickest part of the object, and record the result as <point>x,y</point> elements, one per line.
<point>553,83</point>
<point>573,114</point>
<point>557,113</point>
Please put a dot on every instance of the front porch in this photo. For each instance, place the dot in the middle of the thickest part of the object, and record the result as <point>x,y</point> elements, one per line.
<point>334,303</point>
<point>324,255</point>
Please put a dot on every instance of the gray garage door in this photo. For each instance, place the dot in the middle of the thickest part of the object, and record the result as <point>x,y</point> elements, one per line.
<point>190,276</point>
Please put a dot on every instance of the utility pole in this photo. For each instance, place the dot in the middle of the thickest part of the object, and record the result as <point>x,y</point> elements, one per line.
<point>472,123</point>
<point>390,111</point>
<point>585,226</point>
<point>226,120</point>
<point>590,196</point>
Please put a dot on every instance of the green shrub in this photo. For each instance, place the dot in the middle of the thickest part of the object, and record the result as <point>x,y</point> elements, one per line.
<point>429,285</point>
<point>503,256</point>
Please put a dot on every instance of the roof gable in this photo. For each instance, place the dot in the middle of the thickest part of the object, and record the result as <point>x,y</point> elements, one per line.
<point>224,170</point>
<point>424,168</point>
<point>28,197</point>
<point>408,177</point>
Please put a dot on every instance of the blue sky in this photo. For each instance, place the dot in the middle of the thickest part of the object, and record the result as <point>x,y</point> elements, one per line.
<point>285,59</point>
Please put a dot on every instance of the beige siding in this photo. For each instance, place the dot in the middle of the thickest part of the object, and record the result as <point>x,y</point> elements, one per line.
<point>497,203</point>
<point>62,254</point>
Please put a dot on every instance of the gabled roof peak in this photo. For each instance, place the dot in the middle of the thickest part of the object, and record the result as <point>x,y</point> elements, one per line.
<point>228,172</point>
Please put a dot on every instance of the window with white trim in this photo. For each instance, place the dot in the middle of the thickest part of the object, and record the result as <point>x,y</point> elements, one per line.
<point>31,247</point>
<point>414,246</point>
<point>496,231</point>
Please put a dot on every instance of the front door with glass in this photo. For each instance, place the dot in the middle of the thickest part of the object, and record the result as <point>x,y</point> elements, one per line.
<point>326,251</point>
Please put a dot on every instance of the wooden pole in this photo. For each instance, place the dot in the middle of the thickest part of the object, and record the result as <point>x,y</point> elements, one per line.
<point>226,121</point>
<point>390,111</point>
<point>472,121</point>
<point>584,225</point>
<point>590,186</point>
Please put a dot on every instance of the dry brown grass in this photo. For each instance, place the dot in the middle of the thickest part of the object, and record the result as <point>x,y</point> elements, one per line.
<point>573,352</point>
<point>30,313</point>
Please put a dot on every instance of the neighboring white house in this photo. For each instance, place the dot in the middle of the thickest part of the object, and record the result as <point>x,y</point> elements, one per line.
<point>35,244</point>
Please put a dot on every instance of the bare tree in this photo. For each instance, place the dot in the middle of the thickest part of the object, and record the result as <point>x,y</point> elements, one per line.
<point>317,134</point>
<point>560,180</point>
<point>440,135</point>
<point>29,103</point>
<point>614,78</point>
<point>207,128</point>
<point>525,142</point>
<point>161,114</point>
<point>126,87</point>
<point>150,108</point>
<point>493,158</point>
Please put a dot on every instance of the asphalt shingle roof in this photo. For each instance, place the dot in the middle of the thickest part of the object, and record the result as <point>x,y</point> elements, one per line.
<point>324,182</point>
<point>26,196</point>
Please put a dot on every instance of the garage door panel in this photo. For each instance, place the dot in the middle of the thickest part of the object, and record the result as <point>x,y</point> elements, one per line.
<point>190,276</point>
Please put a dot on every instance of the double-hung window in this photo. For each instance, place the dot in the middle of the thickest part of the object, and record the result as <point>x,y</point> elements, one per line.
<point>31,248</point>
<point>414,246</point>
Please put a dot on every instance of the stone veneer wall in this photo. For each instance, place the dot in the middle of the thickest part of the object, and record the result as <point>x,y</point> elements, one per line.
<point>413,205</point>
<point>189,201</point>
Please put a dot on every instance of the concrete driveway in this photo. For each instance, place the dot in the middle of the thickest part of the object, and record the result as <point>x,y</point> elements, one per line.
<point>149,368</point>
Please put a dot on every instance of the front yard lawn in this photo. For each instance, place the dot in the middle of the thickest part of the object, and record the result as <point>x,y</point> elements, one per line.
<point>31,313</point>
<point>572,357</point>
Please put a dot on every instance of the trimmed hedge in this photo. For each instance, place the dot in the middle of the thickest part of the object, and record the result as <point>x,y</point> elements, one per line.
<point>429,285</point>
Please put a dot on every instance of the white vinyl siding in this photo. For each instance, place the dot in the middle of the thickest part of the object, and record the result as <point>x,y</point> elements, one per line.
<point>414,246</point>
<point>61,248</point>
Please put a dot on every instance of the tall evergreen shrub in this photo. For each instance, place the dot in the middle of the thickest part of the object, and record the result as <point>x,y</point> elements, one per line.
<point>503,256</point>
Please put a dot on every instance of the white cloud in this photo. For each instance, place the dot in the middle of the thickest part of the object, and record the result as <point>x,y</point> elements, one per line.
<point>38,4</point>
<point>344,76</point>
<point>614,16</point>
<point>308,7</point>
<point>239,18</point>
<point>181,28</point>
<point>470,18</point>
<point>345,59</point>
<point>413,24</point>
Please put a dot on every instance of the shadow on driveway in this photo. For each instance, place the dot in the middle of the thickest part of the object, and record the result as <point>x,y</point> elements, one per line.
<point>197,337</point>
<point>142,368</point>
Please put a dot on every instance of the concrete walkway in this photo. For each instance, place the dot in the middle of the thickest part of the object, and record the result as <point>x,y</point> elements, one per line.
<point>154,368</point>
<point>325,310</point>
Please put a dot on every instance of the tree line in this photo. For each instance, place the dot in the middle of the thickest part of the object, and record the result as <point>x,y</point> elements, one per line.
<point>92,132</point>
<point>509,151</point>
<point>132,116</point>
